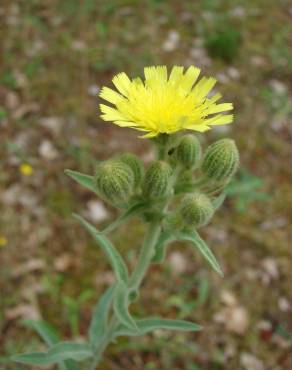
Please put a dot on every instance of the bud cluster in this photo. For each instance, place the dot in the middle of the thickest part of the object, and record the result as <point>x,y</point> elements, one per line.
<point>200,177</point>
<point>183,170</point>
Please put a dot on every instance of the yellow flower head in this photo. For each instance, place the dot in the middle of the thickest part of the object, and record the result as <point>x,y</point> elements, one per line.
<point>3,241</point>
<point>26,169</point>
<point>164,104</point>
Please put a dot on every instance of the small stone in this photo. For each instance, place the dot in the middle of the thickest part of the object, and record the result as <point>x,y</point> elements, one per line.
<point>178,263</point>
<point>271,268</point>
<point>93,90</point>
<point>53,123</point>
<point>63,262</point>
<point>97,211</point>
<point>233,73</point>
<point>78,45</point>
<point>238,12</point>
<point>47,150</point>
<point>278,86</point>
<point>24,311</point>
<point>251,362</point>
<point>284,304</point>
<point>171,41</point>
<point>234,318</point>
<point>228,298</point>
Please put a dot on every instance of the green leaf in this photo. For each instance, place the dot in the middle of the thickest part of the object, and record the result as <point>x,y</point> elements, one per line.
<point>113,255</point>
<point>100,317</point>
<point>160,249</point>
<point>134,210</point>
<point>82,179</point>
<point>50,336</point>
<point>59,352</point>
<point>147,325</point>
<point>44,330</point>
<point>121,303</point>
<point>217,202</point>
<point>195,240</point>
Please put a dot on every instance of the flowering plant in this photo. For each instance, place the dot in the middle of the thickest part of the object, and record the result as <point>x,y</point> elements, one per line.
<point>177,194</point>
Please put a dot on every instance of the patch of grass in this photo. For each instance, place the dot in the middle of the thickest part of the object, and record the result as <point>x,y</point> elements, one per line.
<point>224,44</point>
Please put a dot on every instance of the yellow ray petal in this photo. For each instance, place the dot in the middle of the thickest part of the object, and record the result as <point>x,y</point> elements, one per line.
<point>199,128</point>
<point>220,108</point>
<point>126,123</point>
<point>203,87</point>
<point>149,135</point>
<point>190,77</point>
<point>220,119</point>
<point>110,114</point>
<point>176,75</point>
<point>110,95</point>
<point>122,83</point>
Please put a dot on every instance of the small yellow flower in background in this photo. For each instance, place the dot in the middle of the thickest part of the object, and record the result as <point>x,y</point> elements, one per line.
<point>164,104</point>
<point>26,169</point>
<point>3,241</point>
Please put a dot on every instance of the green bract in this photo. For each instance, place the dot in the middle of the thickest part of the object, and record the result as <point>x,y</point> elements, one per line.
<point>114,181</point>
<point>196,209</point>
<point>136,166</point>
<point>221,160</point>
<point>156,183</point>
<point>189,151</point>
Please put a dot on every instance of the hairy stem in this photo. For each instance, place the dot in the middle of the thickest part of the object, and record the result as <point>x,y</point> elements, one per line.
<point>145,255</point>
<point>136,278</point>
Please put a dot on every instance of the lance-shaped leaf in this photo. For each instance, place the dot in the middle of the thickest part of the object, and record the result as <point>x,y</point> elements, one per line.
<point>165,238</point>
<point>82,179</point>
<point>44,330</point>
<point>195,240</point>
<point>217,202</point>
<point>100,317</point>
<point>50,336</point>
<point>133,211</point>
<point>57,353</point>
<point>113,255</point>
<point>121,304</point>
<point>147,325</point>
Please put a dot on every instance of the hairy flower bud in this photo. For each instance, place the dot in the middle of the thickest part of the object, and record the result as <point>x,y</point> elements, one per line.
<point>189,152</point>
<point>196,209</point>
<point>136,166</point>
<point>157,177</point>
<point>221,160</point>
<point>114,181</point>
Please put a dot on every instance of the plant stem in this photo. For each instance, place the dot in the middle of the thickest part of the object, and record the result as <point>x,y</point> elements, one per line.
<point>145,255</point>
<point>136,278</point>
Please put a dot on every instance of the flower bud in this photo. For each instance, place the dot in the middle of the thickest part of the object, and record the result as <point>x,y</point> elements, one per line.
<point>157,178</point>
<point>114,181</point>
<point>136,166</point>
<point>196,209</point>
<point>221,160</point>
<point>189,152</point>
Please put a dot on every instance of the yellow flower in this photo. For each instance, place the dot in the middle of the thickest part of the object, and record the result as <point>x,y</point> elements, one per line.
<point>3,241</point>
<point>26,169</point>
<point>164,104</point>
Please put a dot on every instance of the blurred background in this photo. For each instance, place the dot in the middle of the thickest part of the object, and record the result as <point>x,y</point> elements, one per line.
<point>55,56</point>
